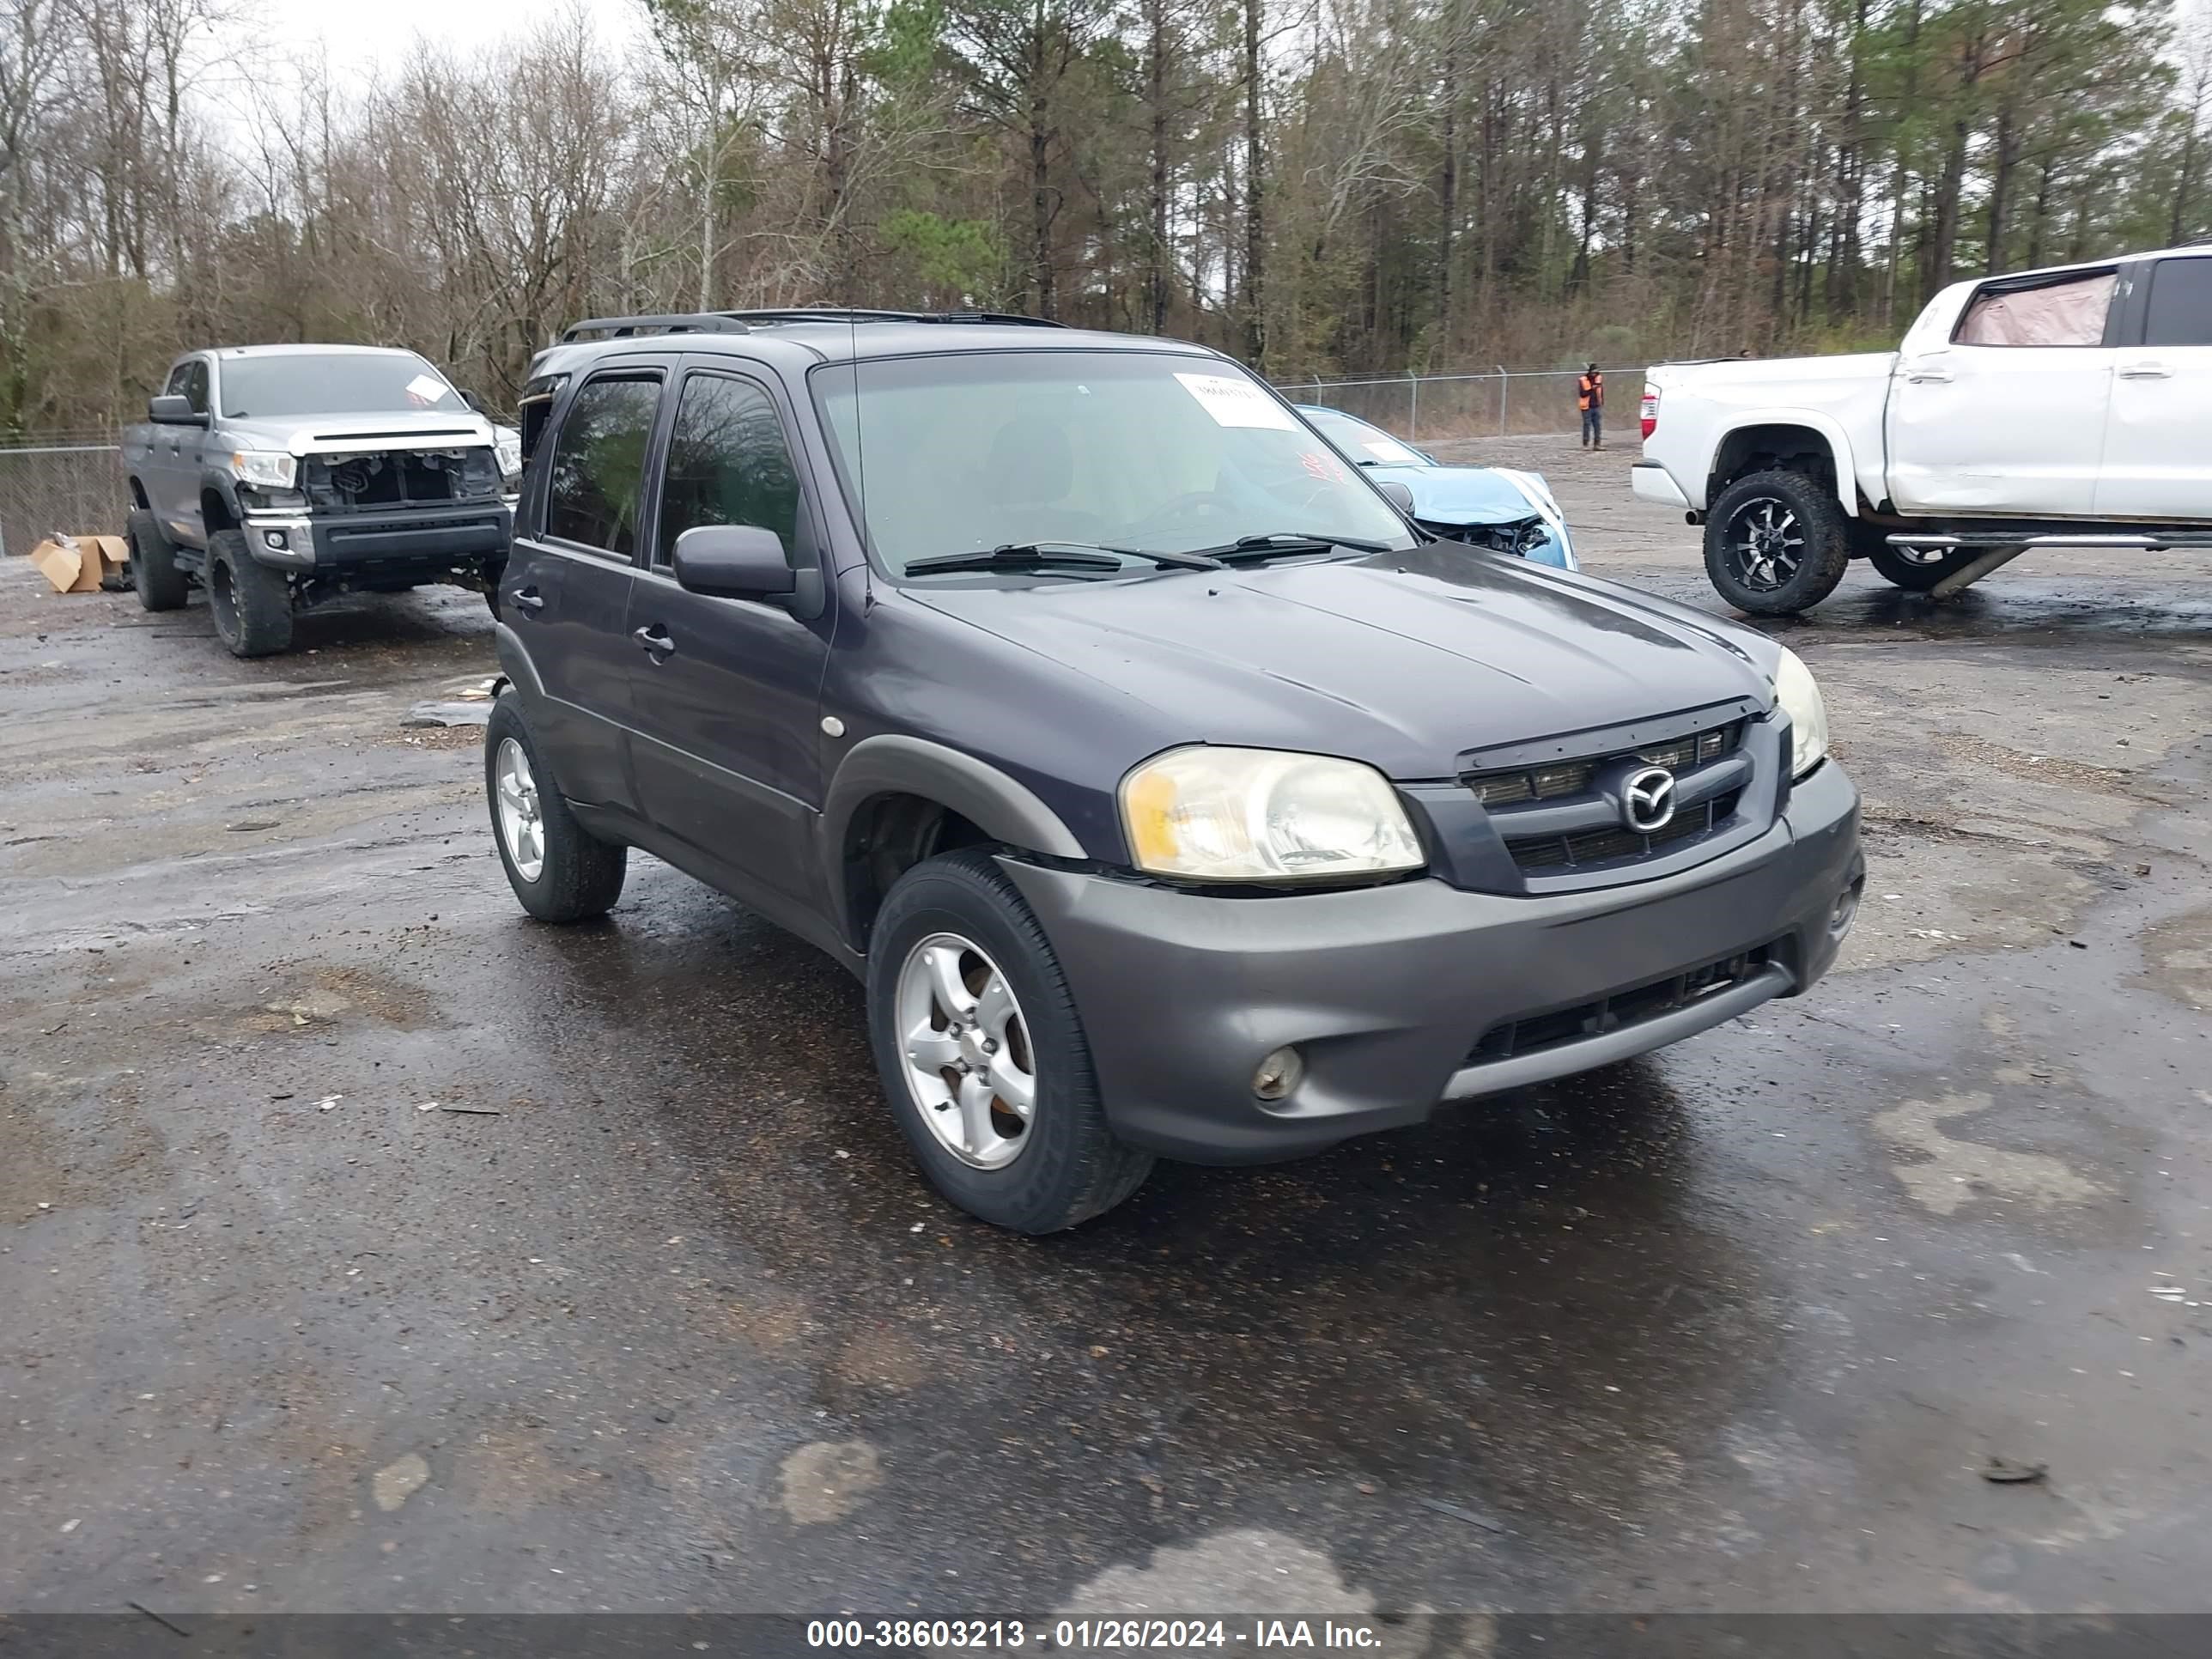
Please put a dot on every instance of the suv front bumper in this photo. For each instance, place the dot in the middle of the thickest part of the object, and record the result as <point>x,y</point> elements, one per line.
<point>1386,990</point>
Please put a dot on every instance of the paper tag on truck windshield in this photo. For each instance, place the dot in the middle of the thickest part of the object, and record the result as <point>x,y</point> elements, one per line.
<point>1390,450</point>
<point>1233,402</point>
<point>425,389</point>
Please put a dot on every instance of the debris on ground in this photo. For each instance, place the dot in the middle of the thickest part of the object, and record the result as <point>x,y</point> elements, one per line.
<point>2004,1472</point>
<point>398,1480</point>
<point>448,714</point>
<point>466,704</point>
<point>473,1111</point>
<point>81,564</point>
<point>175,1629</point>
<point>1458,1513</point>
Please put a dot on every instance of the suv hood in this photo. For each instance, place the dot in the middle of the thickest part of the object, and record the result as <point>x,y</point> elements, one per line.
<point>1460,494</point>
<point>353,430</point>
<point>1411,661</point>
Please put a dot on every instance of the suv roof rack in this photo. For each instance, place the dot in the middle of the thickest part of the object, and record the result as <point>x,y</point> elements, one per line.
<point>857,314</point>
<point>688,322</point>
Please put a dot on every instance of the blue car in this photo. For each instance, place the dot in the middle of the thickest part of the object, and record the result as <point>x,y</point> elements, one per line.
<point>1496,508</point>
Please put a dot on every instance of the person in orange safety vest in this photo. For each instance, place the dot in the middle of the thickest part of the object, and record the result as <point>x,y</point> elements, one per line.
<point>1589,398</point>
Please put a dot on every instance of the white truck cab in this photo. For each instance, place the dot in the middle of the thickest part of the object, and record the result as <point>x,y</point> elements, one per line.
<point>2061,406</point>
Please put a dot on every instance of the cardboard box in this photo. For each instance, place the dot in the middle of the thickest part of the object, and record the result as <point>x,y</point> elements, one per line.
<point>81,564</point>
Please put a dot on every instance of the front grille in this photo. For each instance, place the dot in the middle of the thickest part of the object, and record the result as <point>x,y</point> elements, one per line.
<point>1574,777</point>
<point>405,477</point>
<point>1630,1006</point>
<point>1603,846</point>
<point>1515,535</point>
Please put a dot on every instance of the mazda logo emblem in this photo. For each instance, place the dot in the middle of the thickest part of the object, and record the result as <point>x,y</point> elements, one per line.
<point>1647,799</point>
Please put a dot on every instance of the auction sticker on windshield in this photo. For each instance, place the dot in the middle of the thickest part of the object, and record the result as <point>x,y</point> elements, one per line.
<point>425,390</point>
<point>1234,402</point>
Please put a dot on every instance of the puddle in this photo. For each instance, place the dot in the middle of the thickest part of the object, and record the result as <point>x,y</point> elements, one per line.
<point>466,702</point>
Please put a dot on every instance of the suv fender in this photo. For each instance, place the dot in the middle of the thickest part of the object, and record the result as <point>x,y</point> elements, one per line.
<point>1003,808</point>
<point>515,666</point>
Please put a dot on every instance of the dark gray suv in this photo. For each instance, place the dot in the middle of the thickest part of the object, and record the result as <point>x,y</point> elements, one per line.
<point>1170,792</point>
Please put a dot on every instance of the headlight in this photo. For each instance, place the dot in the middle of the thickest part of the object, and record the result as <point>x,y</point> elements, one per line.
<point>269,468</point>
<point>1800,699</point>
<point>507,448</point>
<point>1264,814</point>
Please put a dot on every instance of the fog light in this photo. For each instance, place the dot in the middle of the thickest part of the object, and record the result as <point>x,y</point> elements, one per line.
<point>1277,1074</point>
<point>1847,909</point>
<point>275,538</point>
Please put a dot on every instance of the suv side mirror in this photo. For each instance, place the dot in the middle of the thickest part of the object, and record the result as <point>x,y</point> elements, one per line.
<point>172,409</point>
<point>473,402</point>
<point>733,562</point>
<point>1401,494</point>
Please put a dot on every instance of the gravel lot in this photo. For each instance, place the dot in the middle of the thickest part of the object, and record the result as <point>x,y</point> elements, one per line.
<point>663,1319</point>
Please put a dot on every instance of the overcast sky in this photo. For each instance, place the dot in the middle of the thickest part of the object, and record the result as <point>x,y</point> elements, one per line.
<point>382,32</point>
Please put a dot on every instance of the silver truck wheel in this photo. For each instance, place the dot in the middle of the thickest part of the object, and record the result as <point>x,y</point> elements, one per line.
<point>982,1053</point>
<point>559,871</point>
<point>968,1062</point>
<point>522,822</point>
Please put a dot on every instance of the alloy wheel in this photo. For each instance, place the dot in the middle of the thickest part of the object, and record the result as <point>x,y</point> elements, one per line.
<point>968,1062</point>
<point>1766,544</point>
<point>521,824</point>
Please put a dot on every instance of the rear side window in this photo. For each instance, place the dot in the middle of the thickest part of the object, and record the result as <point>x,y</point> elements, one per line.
<point>727,463</point>
<point>2180,313</point>
<point>2067,313</point>
<point>598,463</point>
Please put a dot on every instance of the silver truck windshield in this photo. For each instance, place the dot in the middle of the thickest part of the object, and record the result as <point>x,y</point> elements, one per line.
<point>968,452</point>
<point>331,383</point>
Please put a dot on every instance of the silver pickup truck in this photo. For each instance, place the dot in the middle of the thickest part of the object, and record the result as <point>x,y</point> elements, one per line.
<point>277,476</point>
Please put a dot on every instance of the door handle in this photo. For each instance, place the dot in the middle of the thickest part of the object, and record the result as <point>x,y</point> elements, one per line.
<point>1923,372</point>
<point>654,638</point>
<point>2145,371</point>
<point>527,598</point>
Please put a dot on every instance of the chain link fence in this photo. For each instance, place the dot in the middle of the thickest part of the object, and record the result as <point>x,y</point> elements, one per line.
<point>70,484</point>
<point>1501,402</point>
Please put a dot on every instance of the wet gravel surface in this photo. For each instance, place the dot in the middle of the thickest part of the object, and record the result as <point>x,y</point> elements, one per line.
<point>369,1247</point>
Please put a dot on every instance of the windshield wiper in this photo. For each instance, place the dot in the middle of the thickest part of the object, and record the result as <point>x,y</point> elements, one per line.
<point>1061,556</point>
<point>1252,550</point>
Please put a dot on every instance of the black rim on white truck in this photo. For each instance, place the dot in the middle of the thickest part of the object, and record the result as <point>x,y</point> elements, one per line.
<point>1777,543</point>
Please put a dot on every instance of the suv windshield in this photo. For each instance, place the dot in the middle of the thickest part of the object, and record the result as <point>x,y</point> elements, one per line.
<point>328,383</point>
<point>1112,450</point>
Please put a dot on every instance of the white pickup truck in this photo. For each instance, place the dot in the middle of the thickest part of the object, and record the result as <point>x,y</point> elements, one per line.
<point>2065,407</point>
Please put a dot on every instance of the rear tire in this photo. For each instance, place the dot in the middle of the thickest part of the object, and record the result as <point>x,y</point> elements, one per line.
<point>250,603</point>
<point>559,871</point>
<point>154,570</point>
<point>1776,542</point>
<point>1058,1166</point>
<point>1890,564</point>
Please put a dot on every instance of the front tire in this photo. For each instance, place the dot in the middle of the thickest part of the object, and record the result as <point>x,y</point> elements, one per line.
<point>251,603</point>
<point>154,570</point>
<point>1890,564</point>
<point>559,871</point>
<point>1776,542</point>
<point>982,1053</point>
